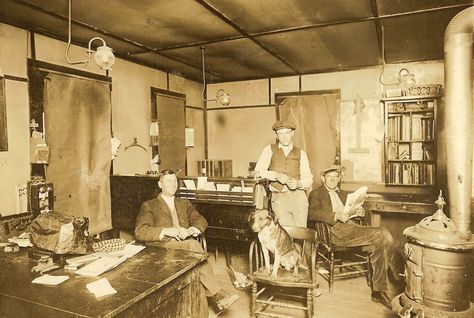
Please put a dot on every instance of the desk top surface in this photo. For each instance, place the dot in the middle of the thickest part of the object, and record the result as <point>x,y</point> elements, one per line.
<point>134,279</point>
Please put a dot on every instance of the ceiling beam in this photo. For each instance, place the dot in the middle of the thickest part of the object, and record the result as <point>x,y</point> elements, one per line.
<point>378,26</point>
<point>220,15</point>
<point>108,34</point>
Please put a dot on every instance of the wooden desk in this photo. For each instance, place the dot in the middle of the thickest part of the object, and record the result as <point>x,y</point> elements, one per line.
<point>154,283</point>
<point>397,212</point>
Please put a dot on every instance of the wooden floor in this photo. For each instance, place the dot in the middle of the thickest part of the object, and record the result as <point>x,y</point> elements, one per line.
<point>349,298</point>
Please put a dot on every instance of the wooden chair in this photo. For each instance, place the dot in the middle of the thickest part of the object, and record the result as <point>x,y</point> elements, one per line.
<point>341,262</point>
<point>201,238</point>
<point>285,281</point>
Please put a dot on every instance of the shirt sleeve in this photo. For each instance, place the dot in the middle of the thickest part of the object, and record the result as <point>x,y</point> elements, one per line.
<point>305,171</point>
<point>264,162</point>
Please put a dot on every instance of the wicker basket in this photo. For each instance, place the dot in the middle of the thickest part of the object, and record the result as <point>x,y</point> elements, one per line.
<point>429,89</point>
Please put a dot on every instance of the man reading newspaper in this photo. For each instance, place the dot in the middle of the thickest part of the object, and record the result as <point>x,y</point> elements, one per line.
<point>326,204</point>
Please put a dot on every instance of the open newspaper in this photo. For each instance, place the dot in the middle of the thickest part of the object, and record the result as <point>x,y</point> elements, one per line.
<point>355,200</point>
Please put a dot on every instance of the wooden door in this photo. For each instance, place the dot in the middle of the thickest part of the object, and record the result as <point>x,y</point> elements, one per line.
<point>171,121</point>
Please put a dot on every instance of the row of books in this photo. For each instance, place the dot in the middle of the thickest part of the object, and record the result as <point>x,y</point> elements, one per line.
<point>406,127</point>
<point>411,173</point>
<point>410,151</point>
<point>215,168</point>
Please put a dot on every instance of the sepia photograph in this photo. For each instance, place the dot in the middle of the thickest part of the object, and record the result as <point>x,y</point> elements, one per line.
<point>236,158</point>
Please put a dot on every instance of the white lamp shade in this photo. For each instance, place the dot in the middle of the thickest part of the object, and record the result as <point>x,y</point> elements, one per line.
<point>104,58</point>
<point>225,99</point>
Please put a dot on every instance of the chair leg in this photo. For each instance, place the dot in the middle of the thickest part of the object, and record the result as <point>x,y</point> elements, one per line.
<point>309,302</point>
<point>331,270</point>
<point>254,300</point>
<point>369,273</point>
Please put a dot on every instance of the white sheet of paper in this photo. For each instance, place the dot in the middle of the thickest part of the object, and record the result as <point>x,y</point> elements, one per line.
<point>201,183</point>
<point>223,187</point>
<point>189,184</point>
<point>50,280</point>
<point>101,288</point>
<point>210,186</point>
<point>101,265</point>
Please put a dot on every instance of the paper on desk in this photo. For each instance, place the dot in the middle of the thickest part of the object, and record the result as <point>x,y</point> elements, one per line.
<point>189,184</point>
<point>50,280</point>
<point>132,249</point>
<point>22,242</point>
<point>101,288</point>
<point>201,183</point>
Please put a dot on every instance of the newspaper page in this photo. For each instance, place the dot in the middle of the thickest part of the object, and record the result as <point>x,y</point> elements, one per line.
<point>354,202</point>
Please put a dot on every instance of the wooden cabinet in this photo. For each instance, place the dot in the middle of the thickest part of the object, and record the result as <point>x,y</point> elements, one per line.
<point>410,140</point>
<point>227,210</point>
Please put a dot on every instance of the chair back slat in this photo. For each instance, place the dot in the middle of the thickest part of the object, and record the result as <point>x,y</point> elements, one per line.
<point>324,232</point>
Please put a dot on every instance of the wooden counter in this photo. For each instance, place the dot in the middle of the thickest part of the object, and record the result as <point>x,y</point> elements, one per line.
<point>156,282</point>
<point>398,211</point>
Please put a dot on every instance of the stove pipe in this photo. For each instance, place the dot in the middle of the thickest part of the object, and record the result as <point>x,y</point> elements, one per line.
<point>458,104</point>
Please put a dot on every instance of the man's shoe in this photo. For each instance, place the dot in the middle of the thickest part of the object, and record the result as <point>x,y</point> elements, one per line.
<point>222,300</point>
<point>382,298</point>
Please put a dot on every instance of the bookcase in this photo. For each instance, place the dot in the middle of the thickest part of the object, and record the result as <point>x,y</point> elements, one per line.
<point>410,140</point>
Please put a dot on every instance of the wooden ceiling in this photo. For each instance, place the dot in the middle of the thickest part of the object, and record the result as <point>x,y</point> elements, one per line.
<point>247,39</point>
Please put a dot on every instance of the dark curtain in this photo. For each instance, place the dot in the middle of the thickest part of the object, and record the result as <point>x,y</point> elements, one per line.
<point>77,117</point>
<point>317,131</point>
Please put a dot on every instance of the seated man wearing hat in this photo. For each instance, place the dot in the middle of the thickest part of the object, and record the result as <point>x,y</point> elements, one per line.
<point>287,167</point>
<point>326,204</point>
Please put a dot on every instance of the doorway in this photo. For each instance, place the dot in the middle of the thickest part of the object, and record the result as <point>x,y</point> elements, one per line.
<point>317,118</point>
<point>168,109</point>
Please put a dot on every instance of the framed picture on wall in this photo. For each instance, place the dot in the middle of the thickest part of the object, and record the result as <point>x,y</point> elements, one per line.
<point>3,117</point>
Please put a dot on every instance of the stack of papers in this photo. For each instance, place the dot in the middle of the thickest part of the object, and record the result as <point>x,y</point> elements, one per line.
<point>101,288</point>
<point>50,280</point>
<point>101,266</point>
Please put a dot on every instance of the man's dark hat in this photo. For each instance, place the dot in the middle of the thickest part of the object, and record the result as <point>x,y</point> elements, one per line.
<point>280,124</point>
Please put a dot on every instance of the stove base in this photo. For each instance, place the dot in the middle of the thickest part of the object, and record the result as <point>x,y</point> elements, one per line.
<point>401,305</point>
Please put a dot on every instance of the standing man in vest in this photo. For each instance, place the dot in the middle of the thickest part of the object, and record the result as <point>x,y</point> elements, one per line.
<point>287,167</point>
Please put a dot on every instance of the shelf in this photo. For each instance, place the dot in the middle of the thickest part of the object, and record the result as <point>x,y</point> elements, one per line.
<point>410,132</point>
<point>412,140</point>
<point>415,98</point>
<point>409,185</point>
<point>410,160</point>
<point>412,111</point>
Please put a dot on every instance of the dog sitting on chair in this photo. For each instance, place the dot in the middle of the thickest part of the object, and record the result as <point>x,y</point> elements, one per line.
<point>275,239</point>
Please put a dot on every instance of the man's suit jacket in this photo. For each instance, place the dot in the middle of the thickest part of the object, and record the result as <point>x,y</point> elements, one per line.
<point>155,215</point>
<point>320,207</point>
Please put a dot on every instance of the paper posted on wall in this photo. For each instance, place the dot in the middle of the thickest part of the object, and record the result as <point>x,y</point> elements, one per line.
<point>355,200</point>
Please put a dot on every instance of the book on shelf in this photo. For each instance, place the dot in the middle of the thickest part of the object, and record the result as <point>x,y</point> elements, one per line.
<point>404,151</point>
<point>392,150</point>
<point>428,151</point>
<point>417,151</point>
<point>416,130</point>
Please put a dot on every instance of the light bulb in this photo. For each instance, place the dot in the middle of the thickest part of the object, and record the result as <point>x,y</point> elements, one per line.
<point>104,57</point>
<point>225,99</point>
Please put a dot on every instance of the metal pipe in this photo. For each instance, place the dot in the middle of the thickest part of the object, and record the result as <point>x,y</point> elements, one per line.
<point>458,98</point>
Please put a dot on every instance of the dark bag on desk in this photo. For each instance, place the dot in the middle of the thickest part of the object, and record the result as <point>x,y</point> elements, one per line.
<point>61,234</point>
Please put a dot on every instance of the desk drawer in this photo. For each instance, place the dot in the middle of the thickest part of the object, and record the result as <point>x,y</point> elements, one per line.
<point>401,207</point>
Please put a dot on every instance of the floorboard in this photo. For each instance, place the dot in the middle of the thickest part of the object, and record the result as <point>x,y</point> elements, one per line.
<point>349,298</point>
